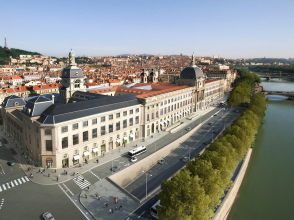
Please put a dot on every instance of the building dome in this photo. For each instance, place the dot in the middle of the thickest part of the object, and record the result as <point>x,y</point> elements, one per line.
<point>192,71</point>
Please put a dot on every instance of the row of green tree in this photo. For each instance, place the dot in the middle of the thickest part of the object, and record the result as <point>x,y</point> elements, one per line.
<point>241,93</point>
<point>196,191</point>
<point>273,69</point>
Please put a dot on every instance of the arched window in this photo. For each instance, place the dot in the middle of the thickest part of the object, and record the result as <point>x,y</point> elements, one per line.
<point>77,83</point>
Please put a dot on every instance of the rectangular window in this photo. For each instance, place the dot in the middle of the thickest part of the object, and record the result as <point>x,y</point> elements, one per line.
<point>131,121</point>
<point>125,113</point>
<point>131,112</point>
<point>110,127</point>
<point>85,136</point>
<point>103,119</point>
<point>75,126</point>
<point>161,104</point>
<point>75,139</point>
<point>124,123</point>
<point>165,110</point>
<point>117,115</point>
<point>110,117</point>
<point>137,110</point>
<point>94,133</point>
<point>168,109</point>
<point>64,129</point>
<point>156,114</point>
<point>117,126</point>
<point>152,115</point>
<point>38,144</point>
<point>64,142</point>
<point>102,130</point>
<point>47,131</point>
<point>172,107</point>
<point>175,106</point>
<point>161,111</point>
<point>147,117</point>
<point>85,123</point>
<point>37,129</point>
<point>94,121</point>
<point>48,145</point>
<point>137,119</point>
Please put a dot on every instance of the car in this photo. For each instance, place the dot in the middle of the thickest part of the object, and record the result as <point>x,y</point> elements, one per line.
<point>11,163</point>
<point>134,159</point>
<point>216,131</point>
<point>215,114</point>
<point>116,168</point>
<point>210,123</point>
<point>185,159</point>
<point>48,216</point>
<point>188,129</point>
<point>162,161</point>
<point>206,142</point>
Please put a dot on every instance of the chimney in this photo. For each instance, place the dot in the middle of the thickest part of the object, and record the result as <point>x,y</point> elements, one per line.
<point>52,98</point>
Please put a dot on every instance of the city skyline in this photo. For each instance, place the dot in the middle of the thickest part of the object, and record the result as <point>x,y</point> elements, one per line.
<point>243,29</point>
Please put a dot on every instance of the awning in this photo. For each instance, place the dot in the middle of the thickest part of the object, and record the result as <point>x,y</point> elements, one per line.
<point>168,119</point>
<point>164,122</point>
<point>131,135</point>
<point>178,115</point>
<point>76,157</point>
<point>95,150</point>
<point>118,140</point>
<point>125,138</point>
<point>86,153</point>
<point>161,123</point>
<point>181,114</point>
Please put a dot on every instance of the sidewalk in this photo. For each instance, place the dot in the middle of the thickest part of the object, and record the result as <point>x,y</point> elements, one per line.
<point>43,179</point>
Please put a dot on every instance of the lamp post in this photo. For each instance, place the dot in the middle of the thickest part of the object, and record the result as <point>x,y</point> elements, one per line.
<point>189,152</point>
<point>146,181</point>
<point>112,162</point>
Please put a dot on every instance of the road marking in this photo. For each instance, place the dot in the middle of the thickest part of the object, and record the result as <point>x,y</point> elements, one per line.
<point>27,178</point>
<point>23,179</point>
<point>7,185</point>
<point>95,174</point>
<point>141,214</point>
<point>4,187</point>
<point>16,183</point>
<point>19,181</point>
<point>12,184</point>
<point>68,189</point>
<point>79,181</point>
<point>73,202</point>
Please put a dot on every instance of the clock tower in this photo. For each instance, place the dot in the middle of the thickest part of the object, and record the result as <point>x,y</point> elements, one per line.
<point>72,80</point>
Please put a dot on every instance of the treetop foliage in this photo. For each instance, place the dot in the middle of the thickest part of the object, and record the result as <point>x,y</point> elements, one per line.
<point>6,53</point>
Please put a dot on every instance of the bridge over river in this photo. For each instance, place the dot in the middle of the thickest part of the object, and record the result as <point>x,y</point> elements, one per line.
<point>280,75</point>
<point>290,95</point>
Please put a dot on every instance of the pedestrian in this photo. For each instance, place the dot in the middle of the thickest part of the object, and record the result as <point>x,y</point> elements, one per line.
<point>97,160</point>
<point>77,173</point>
<point>66,172</point>
<point>48,174</point>
<point>86,195</point>
<point>83,179</point>
<point>73,174</point>
<point>112,211</point>
<point>96,194</point>
<point>120,207</point>
<point>41,171</point>
<point>109,211</point>
<point>98,197</point>
<point>136,145</point>
<point>114,199</point>
<point>88,188</point>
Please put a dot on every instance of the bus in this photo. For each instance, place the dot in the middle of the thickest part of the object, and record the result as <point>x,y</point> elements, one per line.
<point>137,151</point>
<point>153,211</point>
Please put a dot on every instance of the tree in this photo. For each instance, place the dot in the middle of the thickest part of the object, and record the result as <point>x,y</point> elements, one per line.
<point>183,197</point>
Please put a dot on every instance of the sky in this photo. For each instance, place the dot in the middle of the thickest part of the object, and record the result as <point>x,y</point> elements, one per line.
<point>231,29</point>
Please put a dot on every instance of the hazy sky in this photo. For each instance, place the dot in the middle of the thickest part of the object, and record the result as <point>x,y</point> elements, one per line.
<point>232,29</point>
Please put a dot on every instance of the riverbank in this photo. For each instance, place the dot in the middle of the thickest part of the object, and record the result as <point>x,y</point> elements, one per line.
<point>227,203</point>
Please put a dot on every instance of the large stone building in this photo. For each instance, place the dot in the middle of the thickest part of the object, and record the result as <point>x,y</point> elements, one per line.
<point>83,125</point>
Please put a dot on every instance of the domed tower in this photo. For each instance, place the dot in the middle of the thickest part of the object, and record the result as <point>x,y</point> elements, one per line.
<point>72,80</point>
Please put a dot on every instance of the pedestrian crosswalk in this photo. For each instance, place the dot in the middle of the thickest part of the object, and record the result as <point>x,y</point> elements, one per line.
<point>13,183</point>
<point>81,182</point>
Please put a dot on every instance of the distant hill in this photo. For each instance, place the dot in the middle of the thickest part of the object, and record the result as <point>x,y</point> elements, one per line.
<point>6,53</point>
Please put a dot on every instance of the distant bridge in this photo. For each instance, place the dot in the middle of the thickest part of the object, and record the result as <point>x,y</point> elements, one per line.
<point>279,75</point>
<point>290,95</point>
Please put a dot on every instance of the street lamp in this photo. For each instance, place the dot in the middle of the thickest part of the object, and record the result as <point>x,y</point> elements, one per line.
<point>146,181</point>
<point>189,152</point>
<point>112,161</point>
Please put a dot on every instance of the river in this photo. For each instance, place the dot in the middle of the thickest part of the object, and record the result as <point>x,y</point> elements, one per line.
<point>267,191</point>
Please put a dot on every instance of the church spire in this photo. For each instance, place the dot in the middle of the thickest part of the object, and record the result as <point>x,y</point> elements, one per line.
<point>193,60</point>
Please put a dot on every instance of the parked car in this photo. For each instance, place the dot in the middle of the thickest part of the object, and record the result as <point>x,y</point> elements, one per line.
<point>215,114</point>
<point>134,159</point>
<point>116,168</point>
<point>185,159</point>
<point>216,131</point>
<point>162,161</point>
<point>188,129</point>
<point>210,123</point>
<point>48,216</point>
<point>11,163</point>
